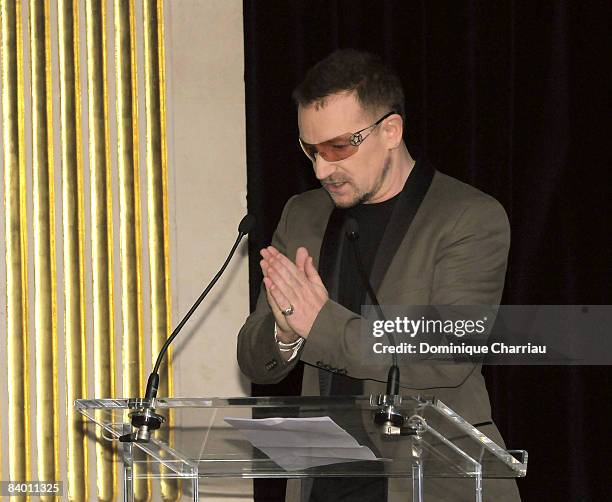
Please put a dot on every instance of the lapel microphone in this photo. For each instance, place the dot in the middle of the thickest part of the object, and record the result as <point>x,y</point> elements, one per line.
<point>145,420</point>
<point>387,416</point>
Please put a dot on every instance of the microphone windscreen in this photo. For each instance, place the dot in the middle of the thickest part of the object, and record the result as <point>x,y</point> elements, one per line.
<point>246,224</point>
<point>352,229</point>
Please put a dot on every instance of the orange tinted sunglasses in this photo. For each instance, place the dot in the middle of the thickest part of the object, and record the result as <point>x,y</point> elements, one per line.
<point>340,147</point>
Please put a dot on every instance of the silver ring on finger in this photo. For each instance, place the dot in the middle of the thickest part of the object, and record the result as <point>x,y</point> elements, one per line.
<point>288,311</point>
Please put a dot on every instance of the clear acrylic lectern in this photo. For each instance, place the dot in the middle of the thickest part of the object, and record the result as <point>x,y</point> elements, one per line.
<point>196,443</point>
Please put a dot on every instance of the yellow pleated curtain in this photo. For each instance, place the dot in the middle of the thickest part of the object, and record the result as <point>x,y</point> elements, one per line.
<point>79,261</point>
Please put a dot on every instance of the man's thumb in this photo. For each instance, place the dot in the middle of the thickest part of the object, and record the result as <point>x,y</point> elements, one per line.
<point>311,272</point>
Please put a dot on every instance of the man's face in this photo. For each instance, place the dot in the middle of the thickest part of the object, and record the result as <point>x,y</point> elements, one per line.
<point>360,178</point>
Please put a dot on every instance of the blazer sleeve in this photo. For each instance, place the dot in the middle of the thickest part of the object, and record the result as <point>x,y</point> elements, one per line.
<point>258,355</point>
<point>470,266</point>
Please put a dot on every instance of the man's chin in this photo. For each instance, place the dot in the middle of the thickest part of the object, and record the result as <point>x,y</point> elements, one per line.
<point>344,201</point>
<point>346,197</point>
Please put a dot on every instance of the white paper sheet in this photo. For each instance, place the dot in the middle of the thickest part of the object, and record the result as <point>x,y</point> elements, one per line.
<point>299,443</point>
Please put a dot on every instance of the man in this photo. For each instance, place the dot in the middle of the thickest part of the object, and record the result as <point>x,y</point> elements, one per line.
<point>425,239</point>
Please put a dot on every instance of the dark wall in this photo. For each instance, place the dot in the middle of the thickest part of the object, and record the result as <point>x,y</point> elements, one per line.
<point>513,98</point>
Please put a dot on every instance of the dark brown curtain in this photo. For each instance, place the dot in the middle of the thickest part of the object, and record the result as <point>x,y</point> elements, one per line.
<point>513,98</point>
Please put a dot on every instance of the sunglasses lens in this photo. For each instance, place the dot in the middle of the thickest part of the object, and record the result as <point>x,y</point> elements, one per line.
<point>331,151</point>
<point>336,152</point>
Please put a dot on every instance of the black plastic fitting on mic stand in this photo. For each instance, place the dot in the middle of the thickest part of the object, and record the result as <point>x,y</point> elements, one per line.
<point>388,416</point>
<point>145,420</point>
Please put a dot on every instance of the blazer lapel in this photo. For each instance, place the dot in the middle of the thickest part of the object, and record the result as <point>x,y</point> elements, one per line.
<point>331,253</point>
<point>329,270</point>
<point>405,209</point>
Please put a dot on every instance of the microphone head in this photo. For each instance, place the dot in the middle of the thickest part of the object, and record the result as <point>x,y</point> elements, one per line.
<point>246,224</point>
<point>352,229</point>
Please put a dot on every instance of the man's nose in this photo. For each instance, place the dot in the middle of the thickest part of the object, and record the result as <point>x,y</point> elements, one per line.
<point>322,167</point>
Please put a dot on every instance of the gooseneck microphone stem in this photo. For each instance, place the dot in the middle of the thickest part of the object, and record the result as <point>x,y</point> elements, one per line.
<point>146,420</point>
<point>153,382</point>
<point>352,234</point>
<point>364,279</point>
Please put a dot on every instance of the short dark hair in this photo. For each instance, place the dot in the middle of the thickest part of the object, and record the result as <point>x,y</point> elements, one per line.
<point>377,87</point>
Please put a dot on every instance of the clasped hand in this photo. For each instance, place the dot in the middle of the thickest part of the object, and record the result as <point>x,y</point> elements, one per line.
<point>297,285</point>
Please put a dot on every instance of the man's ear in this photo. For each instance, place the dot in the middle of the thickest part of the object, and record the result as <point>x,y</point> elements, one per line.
<point>393,129</point>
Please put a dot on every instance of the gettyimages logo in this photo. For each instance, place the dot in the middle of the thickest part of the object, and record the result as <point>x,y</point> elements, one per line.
<point>424,326</point>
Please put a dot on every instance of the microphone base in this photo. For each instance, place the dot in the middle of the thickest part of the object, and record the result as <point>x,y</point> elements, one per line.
<point>388,416</point>
<point>145,421</point>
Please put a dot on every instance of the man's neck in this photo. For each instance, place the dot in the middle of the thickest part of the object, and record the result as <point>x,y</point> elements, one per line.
<point>400,168</point>
<point>406,165</point>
